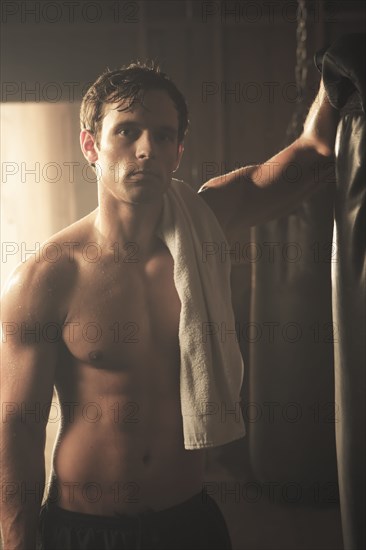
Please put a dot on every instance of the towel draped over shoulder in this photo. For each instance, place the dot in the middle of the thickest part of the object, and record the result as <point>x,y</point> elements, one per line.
<point>211,365</point>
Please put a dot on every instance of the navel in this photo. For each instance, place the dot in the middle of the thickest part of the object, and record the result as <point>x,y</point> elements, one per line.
<point>96,355</point>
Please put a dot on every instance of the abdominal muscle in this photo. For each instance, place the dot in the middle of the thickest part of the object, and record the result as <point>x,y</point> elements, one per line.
<point>122,452</point>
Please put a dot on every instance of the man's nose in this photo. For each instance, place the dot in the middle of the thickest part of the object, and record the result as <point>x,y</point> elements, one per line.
<point>145,146</point>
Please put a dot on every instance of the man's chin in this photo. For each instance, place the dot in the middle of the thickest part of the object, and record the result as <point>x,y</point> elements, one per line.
<point>146,196</point>
<point>147,191</point>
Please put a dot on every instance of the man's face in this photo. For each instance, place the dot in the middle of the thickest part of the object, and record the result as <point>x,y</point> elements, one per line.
<point>138,149</point>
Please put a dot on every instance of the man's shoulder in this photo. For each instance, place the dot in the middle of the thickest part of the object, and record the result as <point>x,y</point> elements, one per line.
<point>74,236</point>
<point>46,277</point>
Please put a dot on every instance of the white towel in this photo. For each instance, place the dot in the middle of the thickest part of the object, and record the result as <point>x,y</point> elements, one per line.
<point>211,368</point>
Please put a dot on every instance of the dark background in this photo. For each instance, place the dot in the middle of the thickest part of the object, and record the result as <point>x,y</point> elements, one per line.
<point>211,46</point>
<point>51,51</point>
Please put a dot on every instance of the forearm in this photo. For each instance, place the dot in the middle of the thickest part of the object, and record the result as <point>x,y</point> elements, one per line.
<point>22,482</point>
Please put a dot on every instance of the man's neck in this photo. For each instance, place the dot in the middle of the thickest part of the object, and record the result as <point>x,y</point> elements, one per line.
<point>121,222</point>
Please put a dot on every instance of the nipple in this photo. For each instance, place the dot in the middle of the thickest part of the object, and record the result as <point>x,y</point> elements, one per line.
<point>95,355</point>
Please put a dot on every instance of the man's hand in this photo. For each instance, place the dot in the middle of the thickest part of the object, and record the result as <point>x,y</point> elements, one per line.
<point>320,126</point>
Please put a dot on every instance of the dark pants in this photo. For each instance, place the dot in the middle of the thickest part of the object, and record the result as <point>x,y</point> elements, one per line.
<point>196,524</point>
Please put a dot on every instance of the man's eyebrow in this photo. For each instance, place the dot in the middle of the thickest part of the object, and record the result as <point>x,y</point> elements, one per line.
<point>126,122</point>
<point>133,123</point>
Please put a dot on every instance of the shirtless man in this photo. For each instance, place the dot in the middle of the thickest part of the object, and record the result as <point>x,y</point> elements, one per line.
<point>121,476</point>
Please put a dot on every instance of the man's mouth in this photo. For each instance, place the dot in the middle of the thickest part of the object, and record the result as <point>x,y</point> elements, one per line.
<point>144,173</point>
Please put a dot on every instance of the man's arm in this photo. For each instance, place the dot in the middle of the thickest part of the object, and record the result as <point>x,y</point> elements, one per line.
<point>255,194</point>
<point>28,361</point>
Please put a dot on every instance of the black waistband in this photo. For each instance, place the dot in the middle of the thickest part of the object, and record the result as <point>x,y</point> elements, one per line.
<point>197,501</point>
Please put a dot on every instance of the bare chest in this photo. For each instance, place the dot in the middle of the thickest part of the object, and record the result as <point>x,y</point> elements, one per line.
<point>123,315</point>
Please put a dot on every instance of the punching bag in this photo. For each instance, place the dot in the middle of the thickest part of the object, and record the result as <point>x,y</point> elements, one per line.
<point>291,413</point>
<point>343,68</point>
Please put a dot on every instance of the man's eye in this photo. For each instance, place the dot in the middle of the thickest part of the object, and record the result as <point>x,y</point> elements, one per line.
<point>127,132</point>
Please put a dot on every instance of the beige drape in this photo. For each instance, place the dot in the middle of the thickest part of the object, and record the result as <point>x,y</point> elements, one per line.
<point>46,184</point>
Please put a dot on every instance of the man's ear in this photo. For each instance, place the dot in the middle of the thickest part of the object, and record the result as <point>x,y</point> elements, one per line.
<point>88,146</point>
<point>179,156</point>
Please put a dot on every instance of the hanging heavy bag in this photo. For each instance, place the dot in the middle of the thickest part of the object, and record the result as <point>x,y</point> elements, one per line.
<point>292,414</point>
<point>343,68</point>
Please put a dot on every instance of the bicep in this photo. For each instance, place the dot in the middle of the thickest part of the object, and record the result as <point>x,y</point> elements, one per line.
<point>28,357</point>
<point>27,378</point>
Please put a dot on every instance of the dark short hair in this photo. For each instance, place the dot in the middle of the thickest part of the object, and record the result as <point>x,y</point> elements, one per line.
<point>129,84</point>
